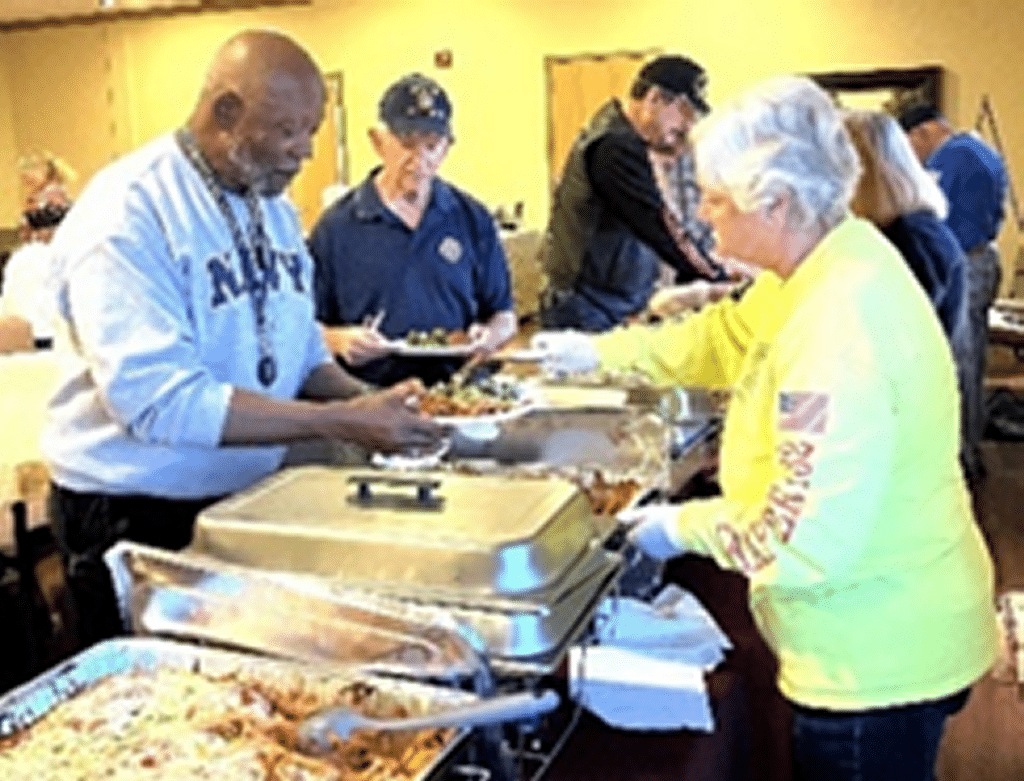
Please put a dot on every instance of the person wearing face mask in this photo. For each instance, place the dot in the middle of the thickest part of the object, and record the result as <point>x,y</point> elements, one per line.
<point>407,251</point>
<point>187,322</point>
<point>611,230</point>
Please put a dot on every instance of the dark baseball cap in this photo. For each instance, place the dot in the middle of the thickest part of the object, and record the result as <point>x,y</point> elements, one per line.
<point>416,104</point>
<point>915,114</point>
<point>680,76</point>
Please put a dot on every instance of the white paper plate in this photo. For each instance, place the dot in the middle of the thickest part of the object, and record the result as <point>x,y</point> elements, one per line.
<point>524,355</point>
<point>484,426</point>
<point>412,461</point>
<point>432,350</point>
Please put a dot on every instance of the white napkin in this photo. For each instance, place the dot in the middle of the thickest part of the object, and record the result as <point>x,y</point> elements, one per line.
<point>647,670</point>
<point>674,626</point>
<point>631,690</point>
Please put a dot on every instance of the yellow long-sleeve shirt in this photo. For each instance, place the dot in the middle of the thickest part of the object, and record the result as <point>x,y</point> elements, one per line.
<point>842,496</point>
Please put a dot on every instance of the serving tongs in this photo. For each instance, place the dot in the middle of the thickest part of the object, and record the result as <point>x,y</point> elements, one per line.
<point>479,365</point>
<point>468,372</point>
<point>318,732</point>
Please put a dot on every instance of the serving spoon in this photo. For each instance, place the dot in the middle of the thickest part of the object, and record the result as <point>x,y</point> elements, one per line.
<point>317,731</point>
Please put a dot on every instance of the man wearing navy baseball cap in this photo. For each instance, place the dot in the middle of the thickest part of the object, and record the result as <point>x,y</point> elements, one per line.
<point>407,251</point>
<point>614,227</point>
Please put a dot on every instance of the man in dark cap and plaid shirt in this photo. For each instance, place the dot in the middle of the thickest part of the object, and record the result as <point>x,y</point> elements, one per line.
<point>612,229</point>
<point>407,251</point>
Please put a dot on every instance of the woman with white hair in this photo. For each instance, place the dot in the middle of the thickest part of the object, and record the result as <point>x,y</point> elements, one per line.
<point>842,499</point>
<point>905,202</point>
<point>899,196</point>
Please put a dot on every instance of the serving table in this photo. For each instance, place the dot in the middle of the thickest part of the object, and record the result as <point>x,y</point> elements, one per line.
<point>666,446</point>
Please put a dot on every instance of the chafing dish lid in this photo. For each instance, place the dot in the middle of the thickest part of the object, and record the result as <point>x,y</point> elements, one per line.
<point>466,532</point>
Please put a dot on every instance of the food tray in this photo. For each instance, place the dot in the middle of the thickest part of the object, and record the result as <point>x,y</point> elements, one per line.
<point>681,404</point>
<point>195,597</point>
<point>583,445</point>
<point>1006,324</point>
<point>426,634</point>
<point>527,636</point>
<point>469,535</point>
<point>28,703</point>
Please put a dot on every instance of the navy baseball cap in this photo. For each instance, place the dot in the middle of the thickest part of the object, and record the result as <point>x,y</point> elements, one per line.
<point>680,76</point>
<point>416,104</point>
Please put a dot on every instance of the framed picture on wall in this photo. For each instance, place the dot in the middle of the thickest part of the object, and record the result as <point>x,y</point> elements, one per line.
<point>886,88</point>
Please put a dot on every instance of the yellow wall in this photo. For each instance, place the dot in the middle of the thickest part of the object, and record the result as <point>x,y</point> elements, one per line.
<point>9,193</point>
<point>91,92</point>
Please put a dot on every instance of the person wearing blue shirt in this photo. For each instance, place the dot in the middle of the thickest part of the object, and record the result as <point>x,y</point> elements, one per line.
<point>407,251</point>
<point>973,178</point>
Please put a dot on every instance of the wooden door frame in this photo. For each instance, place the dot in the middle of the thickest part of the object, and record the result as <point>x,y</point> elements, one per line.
<point>550,61</point>
<point>336,79</point>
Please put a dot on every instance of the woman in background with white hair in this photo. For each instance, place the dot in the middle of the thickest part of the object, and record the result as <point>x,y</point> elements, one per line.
<point>899,196</point>
<point>842,499</point>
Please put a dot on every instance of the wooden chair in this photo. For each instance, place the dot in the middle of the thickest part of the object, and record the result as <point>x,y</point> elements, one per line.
<point>15,334</point>
<point>27,646</point>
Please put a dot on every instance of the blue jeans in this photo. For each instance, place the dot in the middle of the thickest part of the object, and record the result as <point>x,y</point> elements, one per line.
<point>883,744</point>
<point>983,276</point>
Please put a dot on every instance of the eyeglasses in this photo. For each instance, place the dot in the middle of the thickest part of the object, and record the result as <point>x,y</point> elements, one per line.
<point>429,146</point>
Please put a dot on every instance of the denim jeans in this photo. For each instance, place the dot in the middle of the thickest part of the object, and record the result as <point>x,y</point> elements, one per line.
<point>884,744</point>
<point>983,276</point>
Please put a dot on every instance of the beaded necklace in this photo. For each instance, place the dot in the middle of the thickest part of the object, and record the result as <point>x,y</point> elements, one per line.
<point>253,251</point>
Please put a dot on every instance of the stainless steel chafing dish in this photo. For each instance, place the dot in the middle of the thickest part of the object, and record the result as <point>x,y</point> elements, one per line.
<point>491,562</point>
<point>197,598</point>
<point>446,534</point>
<point>622,423</point>
<point>420,635</point>
<point>517,565</point>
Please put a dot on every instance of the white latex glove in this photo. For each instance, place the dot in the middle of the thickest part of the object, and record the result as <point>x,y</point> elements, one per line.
<point>478,333</point>
<point>678,298</point>
<point>484,339</point>
<point>565,352</point>
<point>654,530</point>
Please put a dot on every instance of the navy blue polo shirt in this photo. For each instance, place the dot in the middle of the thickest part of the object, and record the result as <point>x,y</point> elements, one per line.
<point>450,272</point>
<point>973,178</point>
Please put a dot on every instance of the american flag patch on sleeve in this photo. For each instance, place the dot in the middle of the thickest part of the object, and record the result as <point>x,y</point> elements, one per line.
<point>803,411</point>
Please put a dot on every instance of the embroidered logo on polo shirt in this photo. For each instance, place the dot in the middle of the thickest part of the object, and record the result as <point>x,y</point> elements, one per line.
<point>450,249</point>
